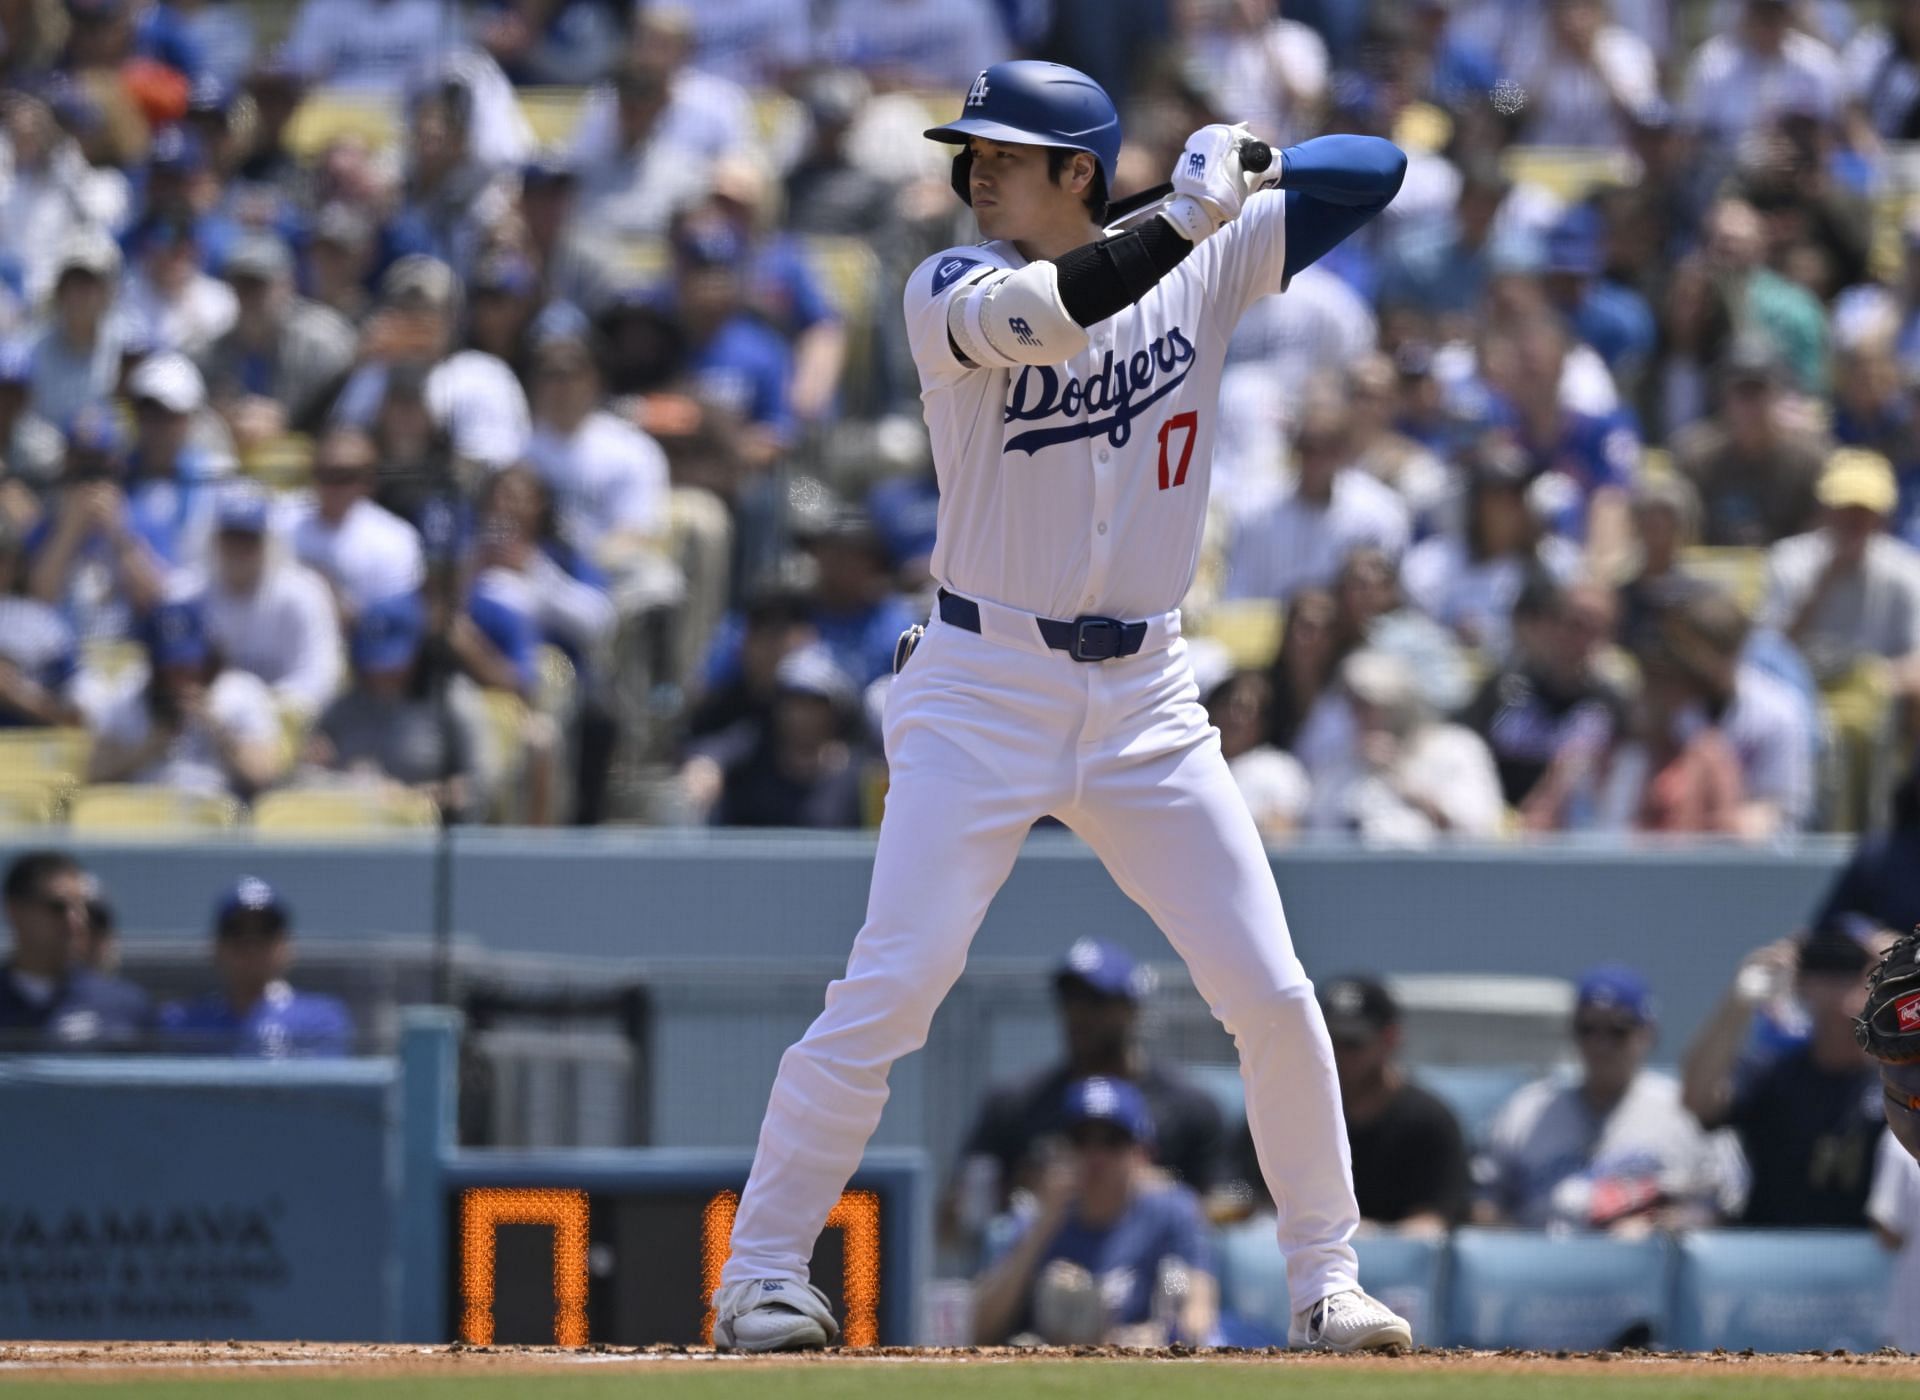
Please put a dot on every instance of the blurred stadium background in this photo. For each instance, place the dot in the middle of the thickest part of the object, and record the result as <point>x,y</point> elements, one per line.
<point>460,483</point>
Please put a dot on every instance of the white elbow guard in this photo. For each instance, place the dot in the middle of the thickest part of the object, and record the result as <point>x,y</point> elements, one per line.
<point>1015,320</point>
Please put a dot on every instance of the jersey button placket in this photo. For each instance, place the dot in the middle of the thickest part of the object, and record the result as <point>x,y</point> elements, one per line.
<point>1100,552</point>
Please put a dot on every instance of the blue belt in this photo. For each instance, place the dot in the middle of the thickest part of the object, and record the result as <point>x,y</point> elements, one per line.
<point>1084,639</point>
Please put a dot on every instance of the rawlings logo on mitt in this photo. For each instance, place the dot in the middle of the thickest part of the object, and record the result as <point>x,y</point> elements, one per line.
<point>1889,1028</point>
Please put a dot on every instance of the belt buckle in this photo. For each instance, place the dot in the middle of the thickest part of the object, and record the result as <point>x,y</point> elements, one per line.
<point>1095,639</point>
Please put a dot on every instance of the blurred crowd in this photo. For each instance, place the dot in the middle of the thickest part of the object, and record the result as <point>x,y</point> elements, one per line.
<point>61,986</point>
<point>504,403</point>
<point>1088,1196</point>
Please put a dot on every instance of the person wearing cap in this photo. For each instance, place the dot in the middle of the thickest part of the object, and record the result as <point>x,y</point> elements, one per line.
<point>279,366</point>
<point>1847,590</point>
<point>363,550</point>
<point>1410,1168</point>
<point>472,394</point>
<point>76,359</point>
<point>173,475</point>
<point>1753,463</point>
<point>1808,1119</point>
<point>170,302</point>
<point>1614,1149</point>
<point>188,722</point>
<point>86,557</point>
<point>50,998</point>
<point>257,1014</point>
<point>408,716</point>
<point>1112,1251</point>
<point>1666,523</point>
<point>1403,777</point>
<point>269,614</point>
<point>568,259</point>
<point>1098,990</point>
<point>1614,320</point>
<point>1468,579</point>
<point>608,478</point>
<point>39,657</point>
<point>738,363</point>
<point>1739,81</point>
<point>827,189</point>
<point>807,766</point>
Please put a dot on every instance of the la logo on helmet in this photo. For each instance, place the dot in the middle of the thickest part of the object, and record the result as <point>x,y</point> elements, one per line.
<point>977,94</point>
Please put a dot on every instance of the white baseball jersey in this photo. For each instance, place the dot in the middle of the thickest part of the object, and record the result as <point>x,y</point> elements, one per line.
<point>1082,488</point>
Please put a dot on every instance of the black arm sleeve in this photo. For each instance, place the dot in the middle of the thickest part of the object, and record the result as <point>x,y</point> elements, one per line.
<point>1098,280</point>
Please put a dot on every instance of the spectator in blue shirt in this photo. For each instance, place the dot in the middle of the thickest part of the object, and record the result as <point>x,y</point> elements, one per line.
<point>736,361</point>
<point>256,1013</point>
<point>87,557</point>
<point>170,479</point>
<point>1613,319</point>
<point>48,995</point>
<point>1114,1253</point>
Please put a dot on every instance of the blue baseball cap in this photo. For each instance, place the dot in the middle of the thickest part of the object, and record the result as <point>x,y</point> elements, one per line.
<point>705,242</point>
<point>251,895</point>
<point>95,431</point>
<point>243,509</point>
<point>1614,987</point>
<point>1115,1101</point>
<point>1574,244</point>
<point>388,633</point>
<point>176,148</point>
<point>1107,969</point>
<point>176,634</point>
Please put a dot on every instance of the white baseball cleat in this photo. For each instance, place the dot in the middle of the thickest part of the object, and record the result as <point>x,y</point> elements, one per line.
<point>771,1314</point>
<point>1350,1321</point>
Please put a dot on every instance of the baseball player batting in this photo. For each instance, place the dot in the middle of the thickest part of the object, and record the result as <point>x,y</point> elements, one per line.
<point>1071,383</point>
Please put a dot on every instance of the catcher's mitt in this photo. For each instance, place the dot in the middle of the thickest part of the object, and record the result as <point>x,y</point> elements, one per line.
<point>1889,1030</point>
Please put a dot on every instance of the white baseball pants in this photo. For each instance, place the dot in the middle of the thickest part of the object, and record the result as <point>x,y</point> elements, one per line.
<point>983,738</point>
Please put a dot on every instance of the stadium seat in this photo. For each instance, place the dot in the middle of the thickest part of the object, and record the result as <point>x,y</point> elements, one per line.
<point>111,659</point>
<point>506,718</point>
<point>1742,573</point>
<point>552,112</point>
<point>328,114</point>
<point>1406,1274</point>
<point>131,809</point>
<point>1556,1292</point>
<point>27,803</point>
<point>1249,629</point>
<point>284,463</point>
<point>1780,1290</point>
<point>343,813</point>
<point>44,754</point>
<point>1571,172</point>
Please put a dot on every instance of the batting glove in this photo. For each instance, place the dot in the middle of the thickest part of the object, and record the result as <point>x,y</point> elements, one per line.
<point>1209,184</point>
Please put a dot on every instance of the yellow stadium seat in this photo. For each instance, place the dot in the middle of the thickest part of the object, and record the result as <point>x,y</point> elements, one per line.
<point>25,803</point>
<point>1570,172</point>
<point>558,683</point>
<point>1249,628</point>
<point>343,812</point>
<point>775,113</point>
<point>111,658</point>
<point>41,754</point>
<point>506,717</point>
<point>329,114</point>
<point>552,112</point>
<point>131,809</point>
<point>1742,573</point>
<point>642,260</point>
<point>284,463</point>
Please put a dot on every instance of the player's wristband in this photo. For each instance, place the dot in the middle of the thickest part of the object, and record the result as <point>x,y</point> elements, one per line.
<point>1194,220</point>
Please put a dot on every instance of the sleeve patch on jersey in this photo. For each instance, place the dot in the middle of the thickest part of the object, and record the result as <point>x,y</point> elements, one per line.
<point>948,271</point>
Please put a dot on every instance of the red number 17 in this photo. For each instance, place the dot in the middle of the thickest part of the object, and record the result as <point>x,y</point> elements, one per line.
<point>1190,421</point>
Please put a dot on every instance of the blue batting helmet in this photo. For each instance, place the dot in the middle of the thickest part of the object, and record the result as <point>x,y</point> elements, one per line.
<point>1027,102</point>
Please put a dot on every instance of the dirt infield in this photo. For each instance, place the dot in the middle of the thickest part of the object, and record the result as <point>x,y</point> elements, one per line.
<point>98,1360</point>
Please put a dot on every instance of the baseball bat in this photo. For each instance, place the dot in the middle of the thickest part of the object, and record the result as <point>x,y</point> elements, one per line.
<point>1255,155</point>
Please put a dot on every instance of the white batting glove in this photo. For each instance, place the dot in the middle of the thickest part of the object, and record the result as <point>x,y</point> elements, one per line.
<point>1209,186</point>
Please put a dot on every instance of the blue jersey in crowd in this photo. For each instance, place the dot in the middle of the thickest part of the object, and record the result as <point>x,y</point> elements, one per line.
<point>88,1009</point>
<point>283,1024</point>
<point>1162,1222</point>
